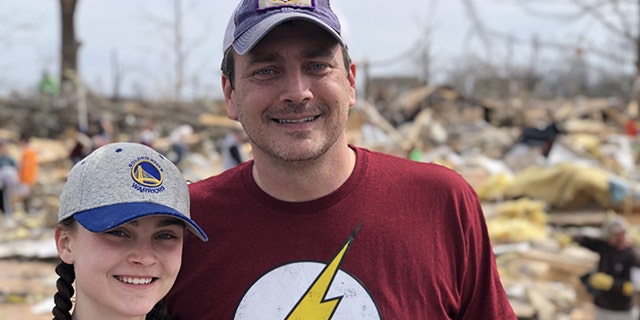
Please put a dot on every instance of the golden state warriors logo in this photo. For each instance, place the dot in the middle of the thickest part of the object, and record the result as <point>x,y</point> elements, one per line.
<point>147,176</point>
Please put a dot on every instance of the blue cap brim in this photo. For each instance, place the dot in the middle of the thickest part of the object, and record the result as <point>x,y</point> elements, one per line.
<point>108,217</point>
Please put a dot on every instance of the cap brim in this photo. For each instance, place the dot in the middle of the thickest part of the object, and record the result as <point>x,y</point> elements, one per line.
<point>253,35</point>
<point>108,217</point>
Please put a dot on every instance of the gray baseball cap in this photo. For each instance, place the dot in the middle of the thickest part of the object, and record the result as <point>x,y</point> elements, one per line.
<point>613,224</point>
<point>253,19</point>
<point>123,181</point>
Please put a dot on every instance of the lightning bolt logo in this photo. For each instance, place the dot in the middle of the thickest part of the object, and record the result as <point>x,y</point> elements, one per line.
<point>313,304</point>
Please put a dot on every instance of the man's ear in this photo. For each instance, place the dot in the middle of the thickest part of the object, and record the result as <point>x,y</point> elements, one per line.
<point>227,89</point>
<point>64,245</point>
<point>352,82</point>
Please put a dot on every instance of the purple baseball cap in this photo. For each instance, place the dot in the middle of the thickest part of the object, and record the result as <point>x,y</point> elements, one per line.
<point>253,19</point>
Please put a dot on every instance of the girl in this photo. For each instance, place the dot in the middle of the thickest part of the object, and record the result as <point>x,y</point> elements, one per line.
<point>122,219</point>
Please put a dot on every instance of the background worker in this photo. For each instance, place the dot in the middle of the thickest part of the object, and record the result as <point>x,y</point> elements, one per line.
<point>611,283</point>
<point>28,170</point>
<point>8,178</point>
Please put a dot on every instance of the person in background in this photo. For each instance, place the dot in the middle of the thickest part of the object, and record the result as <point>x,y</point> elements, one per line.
<point>83,145</point>
<point>233,152</point>
<point>611,283</point>
<point>48,85</point>
<point>8,178</point>
<point>100,129</point>
<point>148,135</point>
<point>313,227</point>
<point>179,138</point>
<point>123,216</point>
<point>28,170</point>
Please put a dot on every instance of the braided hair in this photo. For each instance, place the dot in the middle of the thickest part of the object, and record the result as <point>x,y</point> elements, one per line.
<point>66,271</point>
<point>62,298</point>
<point>159,312</point>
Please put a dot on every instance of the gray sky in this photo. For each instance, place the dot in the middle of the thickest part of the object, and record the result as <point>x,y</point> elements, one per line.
<point>377,31</point>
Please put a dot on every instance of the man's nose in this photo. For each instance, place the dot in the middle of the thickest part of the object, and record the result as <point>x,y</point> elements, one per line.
<point>297,88</point>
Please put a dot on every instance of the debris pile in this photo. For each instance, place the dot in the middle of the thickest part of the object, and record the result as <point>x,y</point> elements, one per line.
<point>541,168</point>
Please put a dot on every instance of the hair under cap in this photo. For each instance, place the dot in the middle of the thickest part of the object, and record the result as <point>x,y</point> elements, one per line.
<point>612,226</point>
<point>253,19</point>
<point>123,181</point>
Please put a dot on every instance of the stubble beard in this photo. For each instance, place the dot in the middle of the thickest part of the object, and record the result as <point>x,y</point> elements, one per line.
<point>315,147</point>
<point>290,155</point>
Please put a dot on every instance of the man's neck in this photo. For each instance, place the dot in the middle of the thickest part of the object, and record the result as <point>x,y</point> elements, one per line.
<point>305,180</point>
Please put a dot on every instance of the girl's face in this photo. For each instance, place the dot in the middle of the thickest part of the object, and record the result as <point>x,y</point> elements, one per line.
<point>122,273</point>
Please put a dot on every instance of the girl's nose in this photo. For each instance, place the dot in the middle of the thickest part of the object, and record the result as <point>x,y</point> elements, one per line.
<point>142,254</point>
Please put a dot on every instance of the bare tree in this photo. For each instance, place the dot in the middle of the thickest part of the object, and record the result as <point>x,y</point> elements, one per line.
<point>117,74</point>
<point>70,46</point>
<point>179,48</point>
<point>418,52</point>
<point>485,76</point>
<point>173,33</point>
<point>477,26</point>
<point>621,18</point>
<point>72,89</point>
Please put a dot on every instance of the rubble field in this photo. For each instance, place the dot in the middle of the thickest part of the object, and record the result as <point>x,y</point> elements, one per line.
<point>542,169</point>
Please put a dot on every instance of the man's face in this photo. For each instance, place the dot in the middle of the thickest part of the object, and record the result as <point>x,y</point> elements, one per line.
<point>292,93</point>
<point>618,239</point>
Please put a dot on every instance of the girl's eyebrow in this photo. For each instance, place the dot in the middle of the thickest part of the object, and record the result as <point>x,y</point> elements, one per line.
<point>170,222</point>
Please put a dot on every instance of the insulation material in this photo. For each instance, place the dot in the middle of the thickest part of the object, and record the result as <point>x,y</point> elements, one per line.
<point>517,221</point>
<point>564,186</point>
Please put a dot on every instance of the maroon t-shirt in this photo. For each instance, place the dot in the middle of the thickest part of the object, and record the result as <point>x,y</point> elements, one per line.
<point>398,240</point>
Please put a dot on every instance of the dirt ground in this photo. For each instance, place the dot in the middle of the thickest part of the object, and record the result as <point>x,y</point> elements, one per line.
<point>27,289</point>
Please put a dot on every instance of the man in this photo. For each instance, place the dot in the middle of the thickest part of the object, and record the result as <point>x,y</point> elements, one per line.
<point>314,228</point>
<point>611,284</point>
